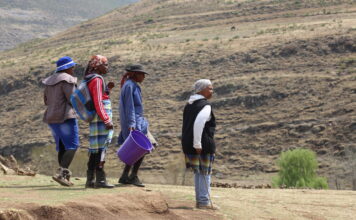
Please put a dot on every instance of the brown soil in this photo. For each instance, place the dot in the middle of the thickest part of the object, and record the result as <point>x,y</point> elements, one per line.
<point>39,197</point>
<point>140,205</point>
<point>24,197</point>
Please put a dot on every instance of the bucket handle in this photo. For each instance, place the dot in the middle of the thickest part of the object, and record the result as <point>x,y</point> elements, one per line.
<point>150,151</point>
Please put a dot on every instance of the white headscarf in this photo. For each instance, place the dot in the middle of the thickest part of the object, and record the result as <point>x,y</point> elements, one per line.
<point>201,84</point>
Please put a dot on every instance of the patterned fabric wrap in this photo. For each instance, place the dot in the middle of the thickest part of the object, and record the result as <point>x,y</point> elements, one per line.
<point>97,60</point>
<point>99,137</point>
<point>200,163</point>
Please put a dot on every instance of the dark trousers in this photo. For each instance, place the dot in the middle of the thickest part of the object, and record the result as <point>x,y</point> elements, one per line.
<point>95,162</point>
<point>135,168</point>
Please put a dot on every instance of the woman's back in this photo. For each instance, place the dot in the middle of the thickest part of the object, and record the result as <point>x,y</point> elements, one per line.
<point>57,93</point>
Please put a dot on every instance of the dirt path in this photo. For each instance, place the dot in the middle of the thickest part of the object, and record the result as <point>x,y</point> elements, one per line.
<point>294,204</point>
<point>40,198</point>
<point>136,205</point>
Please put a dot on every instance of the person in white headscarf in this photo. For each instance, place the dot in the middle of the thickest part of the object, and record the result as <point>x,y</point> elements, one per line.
<point>198,140</point>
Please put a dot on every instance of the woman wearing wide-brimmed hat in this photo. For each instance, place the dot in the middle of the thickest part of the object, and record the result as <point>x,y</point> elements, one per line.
<point>131,116</point>
<point>61,117</point>
<point>101,127</point>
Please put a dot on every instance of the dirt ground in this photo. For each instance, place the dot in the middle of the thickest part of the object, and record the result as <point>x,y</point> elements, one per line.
<point>41,198</point>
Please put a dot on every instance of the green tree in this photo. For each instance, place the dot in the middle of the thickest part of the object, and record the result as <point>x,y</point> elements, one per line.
<point>297,168</point>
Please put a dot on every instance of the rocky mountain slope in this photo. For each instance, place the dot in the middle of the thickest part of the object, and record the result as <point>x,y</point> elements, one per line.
<point>21,20</point>
<point>283,71</point>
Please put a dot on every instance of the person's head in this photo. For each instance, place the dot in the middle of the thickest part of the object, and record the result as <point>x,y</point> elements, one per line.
<point>98,64</point>
<point>65,64</point>
<point>204,87</point>
<point>137,76</point>
<point>70,71</point>
<point>135,72</point>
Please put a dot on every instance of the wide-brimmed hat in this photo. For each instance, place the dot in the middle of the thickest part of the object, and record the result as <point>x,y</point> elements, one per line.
<point>65,63</point>
<point>136,68</point>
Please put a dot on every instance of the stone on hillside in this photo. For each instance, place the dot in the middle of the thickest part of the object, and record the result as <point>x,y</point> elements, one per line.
<point>6,170</point>
<point>9,166</point>
<point>318,129</point>
<point>13,163</point>
<point>26,172</point>
<point>303,128</point>
<point>10,162</point>
<point>1,170</point>
<point>2,160</point>
<point>322,151</point>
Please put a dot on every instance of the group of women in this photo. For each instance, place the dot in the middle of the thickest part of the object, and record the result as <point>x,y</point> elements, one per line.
<point>63,123</point>
<point>197,131</point>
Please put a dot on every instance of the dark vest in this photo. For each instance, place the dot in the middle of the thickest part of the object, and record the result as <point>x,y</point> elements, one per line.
<point>190,113</point>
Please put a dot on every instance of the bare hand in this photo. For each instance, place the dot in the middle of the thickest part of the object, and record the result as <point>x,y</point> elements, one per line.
<point>111,85</point>
<point>198,150</point>
<point>109,126</point>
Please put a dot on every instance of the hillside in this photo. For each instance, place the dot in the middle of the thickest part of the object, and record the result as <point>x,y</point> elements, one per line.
<point>283,71</point>
<point>25,20</point>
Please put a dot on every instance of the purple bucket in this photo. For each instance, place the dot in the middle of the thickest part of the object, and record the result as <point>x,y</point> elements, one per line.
<point>135,146</point>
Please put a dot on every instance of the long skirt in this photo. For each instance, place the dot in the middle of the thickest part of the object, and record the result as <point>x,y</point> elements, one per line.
<point>99,136</point>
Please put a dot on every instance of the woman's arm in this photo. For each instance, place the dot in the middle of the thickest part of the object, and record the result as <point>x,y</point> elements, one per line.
<point>96,91</point>
<point>68,89</point>
<point>129,107</point>
<point>199,124</point>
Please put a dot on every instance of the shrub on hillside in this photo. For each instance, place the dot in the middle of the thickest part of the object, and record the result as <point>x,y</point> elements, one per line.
<point>297,168</point>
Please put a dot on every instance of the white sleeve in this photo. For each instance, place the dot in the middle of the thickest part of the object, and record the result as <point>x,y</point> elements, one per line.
<point>199,123</point>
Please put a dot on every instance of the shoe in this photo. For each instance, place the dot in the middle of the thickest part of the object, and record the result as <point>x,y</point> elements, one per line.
<point>67,174</point>
<point>60,178</point>
<point>207,206</point>
<point>68,180</point>
<point>101,180</point>
<point>136,181</point>
<point>124,180</point>
<point>90,183</point>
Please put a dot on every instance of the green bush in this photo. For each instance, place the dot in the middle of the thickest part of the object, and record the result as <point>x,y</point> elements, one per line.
<point>297,168</point>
